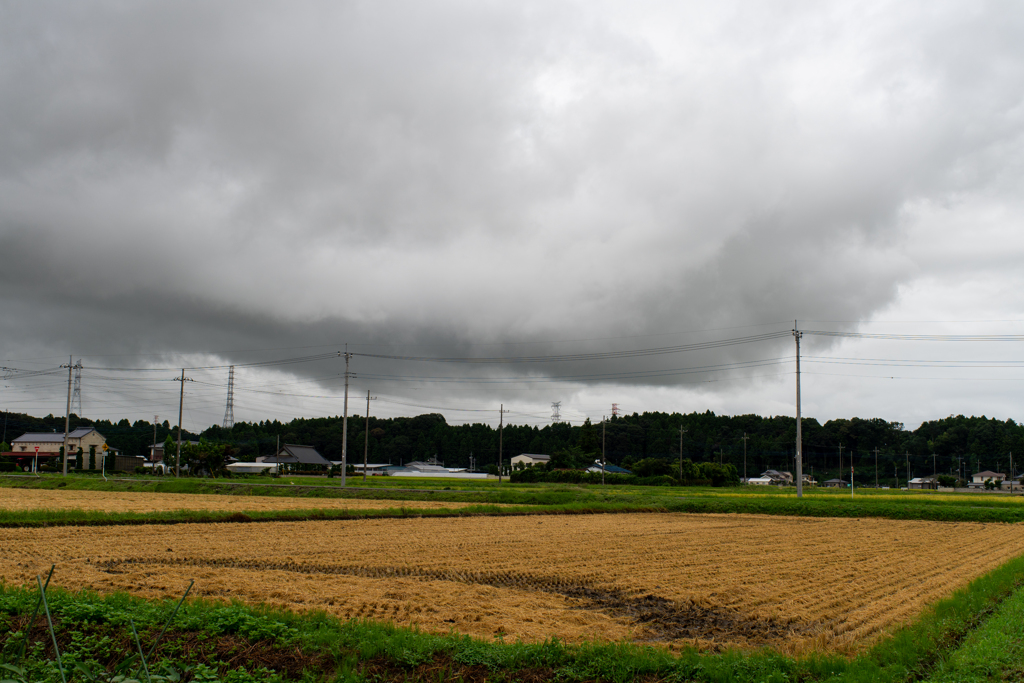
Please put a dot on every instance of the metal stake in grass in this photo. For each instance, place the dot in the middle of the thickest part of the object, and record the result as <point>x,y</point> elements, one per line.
<point>35,613</point>
<point>138,645</point>
<point>170,618</point>
<point>49,621</point>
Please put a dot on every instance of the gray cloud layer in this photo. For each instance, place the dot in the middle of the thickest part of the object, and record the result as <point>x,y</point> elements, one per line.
<point>190,177</point>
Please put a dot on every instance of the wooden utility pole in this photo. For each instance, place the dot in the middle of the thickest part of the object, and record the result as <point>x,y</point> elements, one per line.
<point>366,444</point>
<point>876,467</point>
<point>681,432</point>
<point>344,423</point>
<point>67,419</point>
<point>181,406</point>
<point>799,436</point>
<point>841,460</point>
<point>745,437</point>
<point>501,424</point>
<point>603,457</point>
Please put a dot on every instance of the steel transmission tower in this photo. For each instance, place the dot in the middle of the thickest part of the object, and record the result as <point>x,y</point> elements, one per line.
<point>556,416</point>
<point>229,411</point>
<point>76,394</point>
<point>615,410</point>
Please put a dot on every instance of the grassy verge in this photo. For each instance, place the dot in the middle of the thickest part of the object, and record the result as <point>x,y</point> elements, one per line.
<point>74,517</point>
<point>550,498</point>
<point>233,643</point>
<point>994,652</point>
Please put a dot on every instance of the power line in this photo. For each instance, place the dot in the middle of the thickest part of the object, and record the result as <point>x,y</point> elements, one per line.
<point>574,357</point>
<point>920,337</point>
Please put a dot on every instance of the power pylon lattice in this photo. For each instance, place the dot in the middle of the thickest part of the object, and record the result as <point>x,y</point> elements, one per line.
<point>76,394</point>
<point>615,410</point>
<point>229,411</point>
<point>556,416</point>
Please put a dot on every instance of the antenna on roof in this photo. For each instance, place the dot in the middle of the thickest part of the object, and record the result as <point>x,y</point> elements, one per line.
<point>229,411</point>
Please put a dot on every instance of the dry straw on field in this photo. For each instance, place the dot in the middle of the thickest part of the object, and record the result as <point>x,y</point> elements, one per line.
<point>794,583</point>
<point>140,501</point>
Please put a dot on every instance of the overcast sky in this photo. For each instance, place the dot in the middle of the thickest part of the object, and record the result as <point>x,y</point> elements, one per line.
<point>205,184</point>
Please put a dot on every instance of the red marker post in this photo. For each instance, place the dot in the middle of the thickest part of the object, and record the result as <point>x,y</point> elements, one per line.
<point>35,467</point>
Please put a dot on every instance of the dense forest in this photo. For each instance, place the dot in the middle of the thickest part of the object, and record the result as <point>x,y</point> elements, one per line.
<point>975,443</point>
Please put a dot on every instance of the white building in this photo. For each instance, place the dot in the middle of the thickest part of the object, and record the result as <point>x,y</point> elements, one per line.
<point>530,459</point>
<point>978,479</point>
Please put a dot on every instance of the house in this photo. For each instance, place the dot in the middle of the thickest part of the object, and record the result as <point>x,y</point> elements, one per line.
<point>50,443</point>
<point>760,481</point>
<point>835,483</point>
<point>530,459</point>
<point>372,468</point>
<point>931,483</point>
<point>608,468</point>
<point>779,478</point>
<point>431,469</point>
<point>252,467</point>
<point>298,458</point>
<point>978,479</point>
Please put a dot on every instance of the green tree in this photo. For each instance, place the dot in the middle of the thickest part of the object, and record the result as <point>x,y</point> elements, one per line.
<point>568,458</point>
<point>653,467</point>
<point>170,449</point>
<point>92,457</point>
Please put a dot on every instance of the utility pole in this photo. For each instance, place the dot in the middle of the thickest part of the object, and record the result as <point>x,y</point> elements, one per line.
<point>1011,473</point>
<point>181,406</point>
<point>851,475</point>
<point>934,471</point>
<point>681,432</point>
<point>603,457</point>
<point>841,460</point>
<point>799,436</point>
<point>876,467</point>
<point>366,445</point>
<point>908,469</point>
<point>501,425</point>
<point>745,437</point>
<point>344,423</point>
<point>67,418</point>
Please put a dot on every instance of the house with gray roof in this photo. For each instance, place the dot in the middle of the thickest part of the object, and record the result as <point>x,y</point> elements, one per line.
<point>298,458</point>
<point>50,443</point>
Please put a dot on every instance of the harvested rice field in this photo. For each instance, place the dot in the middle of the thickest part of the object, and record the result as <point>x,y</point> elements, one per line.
<point>148,501</point>
<point>796,584</point>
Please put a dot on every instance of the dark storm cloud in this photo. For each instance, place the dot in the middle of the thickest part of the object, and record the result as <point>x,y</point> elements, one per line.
<point>438,176</point>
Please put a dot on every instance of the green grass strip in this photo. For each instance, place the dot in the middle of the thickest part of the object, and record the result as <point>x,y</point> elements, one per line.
<point>993,652</point>
<point>553,498</point>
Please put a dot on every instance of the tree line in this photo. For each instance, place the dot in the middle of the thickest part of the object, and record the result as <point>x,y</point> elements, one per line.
<point>946,445</point>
